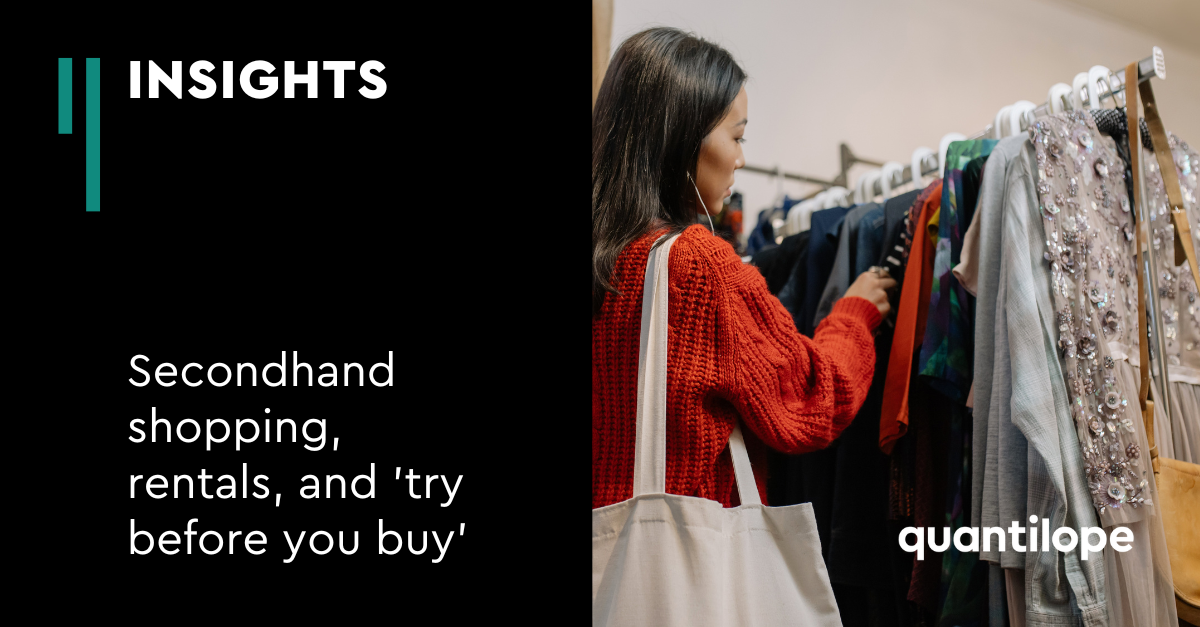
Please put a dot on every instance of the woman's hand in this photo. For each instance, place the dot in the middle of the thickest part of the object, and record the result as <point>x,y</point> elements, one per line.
<point>872,287</point>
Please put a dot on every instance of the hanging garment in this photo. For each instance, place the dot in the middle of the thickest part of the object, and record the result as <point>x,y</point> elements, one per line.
<point>791,295</point>
<point>1091,260</point>
<point>803,478</point>
<point>896,243</point>
<point>930,431</point>
<point>902,216</point>
<point>762,236</point>
<point>1178,498</point>
<point>967,270</point>
<point>842,273</point>
<point>1090,248</point>
<point>809,477</point>
<point>1178,303</point>
<point>946,351</point>
<point>998,613</point>
<point>811,271</point>
<point>1057,585</point>
<point>1028,391</point>
<point>871,233</point>
<point>910,325</point>
<point>1115,123</point>
<point>963,585</point>
<point>946,356</point>
<point>859,539</point>
<point>902,479</point>
<point>1015,584</point>
<point>665,559</point>
<point>822,252</point>
<point>908,410</point>
<point>1184,427</point>
<point>972,179</point>
<point>994,436</point>
<point>816,472</point>
<point>868,569</point>
<point>776,263</point>
<point>901,212</point>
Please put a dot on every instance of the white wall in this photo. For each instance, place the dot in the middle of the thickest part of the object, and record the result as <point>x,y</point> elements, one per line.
<point>886,76</point>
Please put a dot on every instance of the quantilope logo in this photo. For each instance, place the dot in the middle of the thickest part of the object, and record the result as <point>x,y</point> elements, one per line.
<point>92,119</point>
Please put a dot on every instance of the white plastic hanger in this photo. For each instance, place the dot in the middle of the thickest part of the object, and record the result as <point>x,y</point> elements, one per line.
<point>1116,80</point>
<point>918,156</point>
<point>837,197</point>
<point>864,190</point>
<point>800,217</point>
<point>792,219</point>
<point>1097,74</point>
<point>998,131</point>
<point>870,179</point>
<point>888,174</point>
<point>944,146</point>
<point>804,211</point>
<point>1055,96</point>
<point>1014,116</point>
<point>1077,86</point>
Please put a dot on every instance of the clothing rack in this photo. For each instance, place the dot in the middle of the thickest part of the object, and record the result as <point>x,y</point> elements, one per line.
<point>1110,87</point>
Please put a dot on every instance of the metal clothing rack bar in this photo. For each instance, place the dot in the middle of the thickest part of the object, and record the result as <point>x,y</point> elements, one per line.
<point>787,175</point>
<point>846,157</point>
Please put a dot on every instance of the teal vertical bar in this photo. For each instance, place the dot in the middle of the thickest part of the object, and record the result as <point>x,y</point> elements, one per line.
<point>93,134</point>
<point>64,96</point>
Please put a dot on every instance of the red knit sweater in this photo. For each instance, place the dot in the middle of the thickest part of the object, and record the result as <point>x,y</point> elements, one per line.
<point>733,352</point>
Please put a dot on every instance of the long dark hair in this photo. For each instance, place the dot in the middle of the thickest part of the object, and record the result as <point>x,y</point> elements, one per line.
<point>664,92</point>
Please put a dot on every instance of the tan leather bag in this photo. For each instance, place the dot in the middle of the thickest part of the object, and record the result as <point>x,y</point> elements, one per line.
<point>1178,481</point>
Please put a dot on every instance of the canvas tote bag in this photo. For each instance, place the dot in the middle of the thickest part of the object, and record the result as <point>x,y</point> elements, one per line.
<point>663,559</point>
<point>1178,481</point>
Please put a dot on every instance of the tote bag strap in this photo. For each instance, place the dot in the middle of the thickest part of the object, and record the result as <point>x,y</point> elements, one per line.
<point>747,488</point>
<point>650,447</point>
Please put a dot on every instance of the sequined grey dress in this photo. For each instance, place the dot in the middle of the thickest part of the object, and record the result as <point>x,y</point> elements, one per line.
<point>1179,301</point>
<point>1090,246</point>
<point>1090,249</point>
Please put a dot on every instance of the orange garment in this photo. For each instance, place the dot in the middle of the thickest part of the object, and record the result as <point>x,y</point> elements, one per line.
<point>910,327</point>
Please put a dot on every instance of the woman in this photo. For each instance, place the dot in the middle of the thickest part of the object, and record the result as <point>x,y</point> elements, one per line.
<point>666,138</point>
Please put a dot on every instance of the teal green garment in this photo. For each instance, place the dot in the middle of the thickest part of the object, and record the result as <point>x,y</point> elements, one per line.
<point>947,357</point>
<point>947,353</point>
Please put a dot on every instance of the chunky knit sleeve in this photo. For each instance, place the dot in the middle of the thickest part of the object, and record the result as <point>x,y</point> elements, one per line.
<point>797,394</point>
